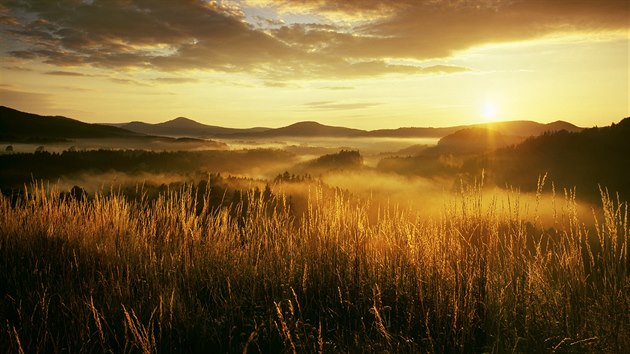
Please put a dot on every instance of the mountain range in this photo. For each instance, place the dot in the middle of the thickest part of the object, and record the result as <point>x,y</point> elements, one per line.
<point>521,128</point>
<point>182,126</point>
<point>187,127</point>
<point>20,126</point>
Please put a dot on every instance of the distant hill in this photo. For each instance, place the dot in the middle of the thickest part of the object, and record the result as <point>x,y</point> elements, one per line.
<point>482,138</point>
<point>474,140</point>
<point>16,126</point>
<point>583,159</point>
<point>186,127</point>
<point>522,128</point>
<point>526,128</point>
<point>446,158</point>
<point>309,129</point>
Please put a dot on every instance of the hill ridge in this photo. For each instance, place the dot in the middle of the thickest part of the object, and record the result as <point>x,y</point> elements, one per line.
<point>186,127</point>
<point>22,126</point>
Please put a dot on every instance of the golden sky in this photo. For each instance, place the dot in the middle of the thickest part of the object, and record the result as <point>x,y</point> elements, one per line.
<point>359,63</point>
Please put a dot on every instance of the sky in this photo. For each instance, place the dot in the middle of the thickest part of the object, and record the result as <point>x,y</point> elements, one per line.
<point>365,64</point>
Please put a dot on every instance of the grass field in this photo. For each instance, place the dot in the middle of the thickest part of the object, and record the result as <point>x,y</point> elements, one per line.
<point>111,274</point>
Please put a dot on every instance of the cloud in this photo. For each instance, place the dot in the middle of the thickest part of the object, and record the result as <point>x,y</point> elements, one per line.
<point>16,68</point>
<point>75,89</point>
<point>127,82</point>
<point>267,22</point>
<point>433,29</point>
<point>333,67</point>
<point>8,21</point>
<point>336,10</point>
<point>165,35</point>
<point>337,88</point>
<point>64,73</point>
<point>279,84</point>
<point>444,69</point>
<point>175,80</point>
<point>170,36</point>
<point>330,105</point>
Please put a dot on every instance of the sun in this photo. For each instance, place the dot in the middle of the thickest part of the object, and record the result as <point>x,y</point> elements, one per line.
<point>489,111</point>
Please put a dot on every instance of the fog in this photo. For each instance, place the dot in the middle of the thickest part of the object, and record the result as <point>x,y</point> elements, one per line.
<point>431,197</point>
<point>426,197</point>
<point>319,146</point>
<point>299,145</point>
<point>422,198</point>
<point>151,144</point>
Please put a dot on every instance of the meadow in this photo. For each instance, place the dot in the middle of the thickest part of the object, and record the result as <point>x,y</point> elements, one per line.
<point>345,273</point>
<point>314,176</point>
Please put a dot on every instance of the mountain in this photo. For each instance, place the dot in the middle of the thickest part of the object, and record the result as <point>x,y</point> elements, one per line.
<point>474,140</point>
<point>481,138</point>
<point>513,131</point>
<point>186,127</point>
<point>526,128</point>
<point>443,159</point>
<point>16,126</point>
<point>582,159</point>
<point>19,125</point>
<point>308,129</point>
<point>522,128</point>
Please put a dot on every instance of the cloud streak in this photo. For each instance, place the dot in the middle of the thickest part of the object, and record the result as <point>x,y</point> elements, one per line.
<point>330,105</point>
<point>175,80</point>
<point>64,73</point>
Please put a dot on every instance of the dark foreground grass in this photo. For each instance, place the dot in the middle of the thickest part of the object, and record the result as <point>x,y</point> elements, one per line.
<point>114,275</point>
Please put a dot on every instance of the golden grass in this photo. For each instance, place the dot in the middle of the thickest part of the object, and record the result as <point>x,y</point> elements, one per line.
<point>117,275</point>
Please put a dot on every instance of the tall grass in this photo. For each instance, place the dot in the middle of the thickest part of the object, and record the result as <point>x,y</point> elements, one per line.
<point>116,275</point>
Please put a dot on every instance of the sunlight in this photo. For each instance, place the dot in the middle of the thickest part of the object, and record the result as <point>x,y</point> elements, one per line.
<point>489,111</point>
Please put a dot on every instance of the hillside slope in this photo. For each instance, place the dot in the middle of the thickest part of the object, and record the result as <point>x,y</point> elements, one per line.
<point>520,128</point>
<point>186,127</point>
<point>16,126</point>
<point>575,159</point>
<point>309,129</point>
